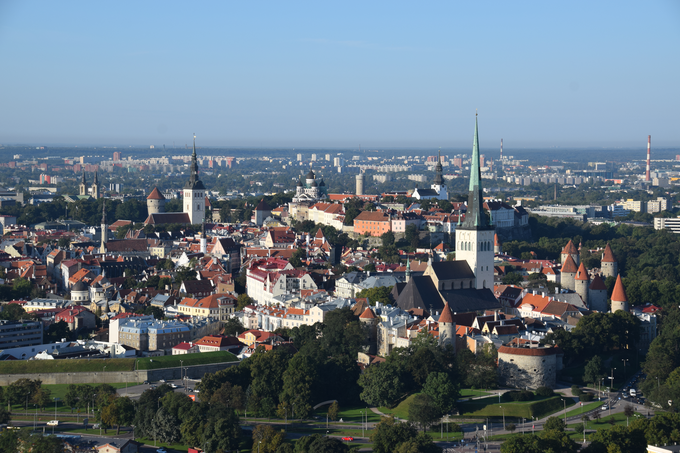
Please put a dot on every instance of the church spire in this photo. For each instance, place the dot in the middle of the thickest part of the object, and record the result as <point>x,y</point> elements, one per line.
<point>438,180</point>
<point>82,179</point>
<point>475,218</point>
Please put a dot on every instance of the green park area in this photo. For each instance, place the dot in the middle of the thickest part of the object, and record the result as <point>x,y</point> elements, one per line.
<point>175,361</point>
<point>65,366</point>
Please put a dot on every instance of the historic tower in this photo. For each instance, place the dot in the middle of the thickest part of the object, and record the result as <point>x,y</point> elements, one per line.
<point>155,202</point>
<point>570,250</point>
<point>83,185</point>
<point>474,238</point>
<point>619,298</point>
<point>438,184</point>
<point>497,246</point>
<point>568,271</point>
<point>582,283</point>
<point>608,264</point>
<point>597,295</point>
<point>95,186</point>
<point>194,193</point>
<point>102,248</point>
<point>447,328</point>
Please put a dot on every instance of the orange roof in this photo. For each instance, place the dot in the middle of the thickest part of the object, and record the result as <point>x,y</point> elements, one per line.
<point>570,248</point>
<point>619,294</point>
<point>446,314</point>
<point>582,273</point>
<point>608,255</point>
<point>569,265</point>
<point>367,314</point>
<point>155,195</point>
<point>496,241</point>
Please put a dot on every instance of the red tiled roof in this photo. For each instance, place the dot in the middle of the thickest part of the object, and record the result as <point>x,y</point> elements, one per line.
<point>582,273</point>
<point>570,248</point>
<point>367,314</point>
<point>446,315</point>
<point>608,255</point>
<point>619,294</point>
<point>155,195</point>
<point>598,284</point>
<point>569,265</point>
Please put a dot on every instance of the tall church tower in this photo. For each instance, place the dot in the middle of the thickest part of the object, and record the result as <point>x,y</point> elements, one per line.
<point>194,193</point>
<point>475,237</point>
<point>83,185</point>
<point>438,183</point>
<point>102,248</point>
<point>95,187</point>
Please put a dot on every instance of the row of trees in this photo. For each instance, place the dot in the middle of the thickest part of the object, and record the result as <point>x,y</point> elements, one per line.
<point>282,384</point>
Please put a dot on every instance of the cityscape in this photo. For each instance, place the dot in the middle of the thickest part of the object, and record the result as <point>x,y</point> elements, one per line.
<point>259,250</point>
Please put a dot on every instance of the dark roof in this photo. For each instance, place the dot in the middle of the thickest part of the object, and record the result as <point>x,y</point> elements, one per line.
<point>421,292</point>
<point>80,286</point>
<point>310,175</point>
<point>197,286</point>
<point>449,270</point>
<point>127,245</point>
<point>262,206</point>
<point>427,192</point>
<point>167,217</point>
<point>396,290</point>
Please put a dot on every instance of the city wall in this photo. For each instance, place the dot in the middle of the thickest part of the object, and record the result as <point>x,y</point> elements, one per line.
<point>110,377</point>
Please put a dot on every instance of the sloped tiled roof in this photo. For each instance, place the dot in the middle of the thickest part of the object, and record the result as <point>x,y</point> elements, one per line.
<point>608,255</point>
<point>570,248</point>
<point>582,273</point>
<point>569,265</point>
<point>619,293</point>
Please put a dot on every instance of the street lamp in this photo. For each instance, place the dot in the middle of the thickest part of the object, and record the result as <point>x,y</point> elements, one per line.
<point>565,412</point>
<point>55,412</point>
<point>624,367</point>
<point>181,377</point>
<point>503,417</point>
<point>104,369</point>
<point>35,415</point>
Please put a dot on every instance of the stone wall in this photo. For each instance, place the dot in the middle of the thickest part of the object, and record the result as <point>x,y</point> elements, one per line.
<point>109,377</point>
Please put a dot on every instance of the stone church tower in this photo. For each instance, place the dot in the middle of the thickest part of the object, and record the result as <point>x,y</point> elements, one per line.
<point>475,237</point>
<point>194,193</point>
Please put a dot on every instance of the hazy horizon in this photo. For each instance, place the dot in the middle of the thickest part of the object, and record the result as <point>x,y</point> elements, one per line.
<point>309,74</point>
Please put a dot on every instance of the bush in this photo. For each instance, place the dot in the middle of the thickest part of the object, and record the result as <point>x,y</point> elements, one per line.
<point>544,391</point>
<point>518,395</point>
<point>576,390</point>
<point>585,397</point>
<point>510,427</point>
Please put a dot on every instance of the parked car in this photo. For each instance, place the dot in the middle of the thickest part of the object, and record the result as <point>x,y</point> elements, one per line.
<point>173,386</point>
<point>605,407</point>
<point>53,423</point>
<point>348,439</point>
<point>146,382</point>
<point>161,450</point>
<point>162,381</point>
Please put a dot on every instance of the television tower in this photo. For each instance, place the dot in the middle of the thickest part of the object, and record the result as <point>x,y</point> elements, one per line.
<point>501,149</point>
<point>649,148</point>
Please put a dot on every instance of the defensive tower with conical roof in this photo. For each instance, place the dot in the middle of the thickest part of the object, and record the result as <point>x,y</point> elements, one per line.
<point>497,246</point>
<point>570,250</point>
<point>619,298</point>
<point>608,264</point>
<point>597,295</point>
<point>475,237</point>
<point>568,273</point>
<point>447,328</point>
<point>155,202</point>
<point>194,193</point>
<point>581,283</point>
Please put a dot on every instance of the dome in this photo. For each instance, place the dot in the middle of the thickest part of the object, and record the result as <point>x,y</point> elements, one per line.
<point>299,183</point>
<point>310,175</point>
<point>80,286</point>
<point>322,184</point>
<point>314,184</point>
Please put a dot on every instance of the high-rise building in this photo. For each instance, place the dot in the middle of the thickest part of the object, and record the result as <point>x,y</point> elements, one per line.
<point>328,157</point>
<point>117,156</point>
<point>313,157</point>
<point>299,157</point>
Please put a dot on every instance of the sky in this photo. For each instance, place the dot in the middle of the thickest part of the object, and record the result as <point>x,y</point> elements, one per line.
<point>340,74</point>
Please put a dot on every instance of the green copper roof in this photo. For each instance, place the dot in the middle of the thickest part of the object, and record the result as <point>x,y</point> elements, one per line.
<point>475,218</point>
<point>474,164</point>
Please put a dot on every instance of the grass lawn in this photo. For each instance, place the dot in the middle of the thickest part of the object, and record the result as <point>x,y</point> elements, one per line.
<point>65,366</point>
<point>348,415</point>
<point>173,361</point>
<point>603,423</point>
<point>585,408</point>
<point>489,407</point>
<point>472,393</point>
<point>58,391</point>
<point>401,410</point>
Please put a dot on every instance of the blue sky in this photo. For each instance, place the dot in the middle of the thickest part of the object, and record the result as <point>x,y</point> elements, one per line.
<point>306,74</point>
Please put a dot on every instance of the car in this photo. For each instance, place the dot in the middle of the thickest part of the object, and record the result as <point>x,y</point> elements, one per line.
<point>605,407</point>
<point>96,426</point>
<point>146,382</point>
<point>161,450</point>
<point>348,439</point>
<point>173,386</point>
<point>162,381</point>
<point>53,423</point>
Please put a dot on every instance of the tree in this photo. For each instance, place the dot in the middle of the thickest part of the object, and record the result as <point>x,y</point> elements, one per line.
<point>412,236</point>
<point>528,443</point>
<point>442,391</point>
<point>342,333</point>
<point>554,423</point>
<point>297,257</point>
<point>510,427</point>
<point>423,411</point>
<point>387,239</point>
<point>243,300</point>
<point>223,433</point>
<point>594,370</point>
<point>377,294</point>
<point>120,411</point>
<point>381,384</point>
<point>13,312</point>
<point>266,440</point>
<point>165,426</point>
<point>233,327</point>
<point>297,384</point>
<point>512,278</point>
<point>388,435</point>
<point>333,410</point>
<point>186,273</point>
<point>5,416</point>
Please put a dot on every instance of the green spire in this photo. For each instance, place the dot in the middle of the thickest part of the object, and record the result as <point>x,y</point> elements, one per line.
<point>475,171</point>
<point>475,217</point>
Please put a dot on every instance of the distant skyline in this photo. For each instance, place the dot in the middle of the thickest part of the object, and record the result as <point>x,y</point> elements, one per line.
<point>317,74</point>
